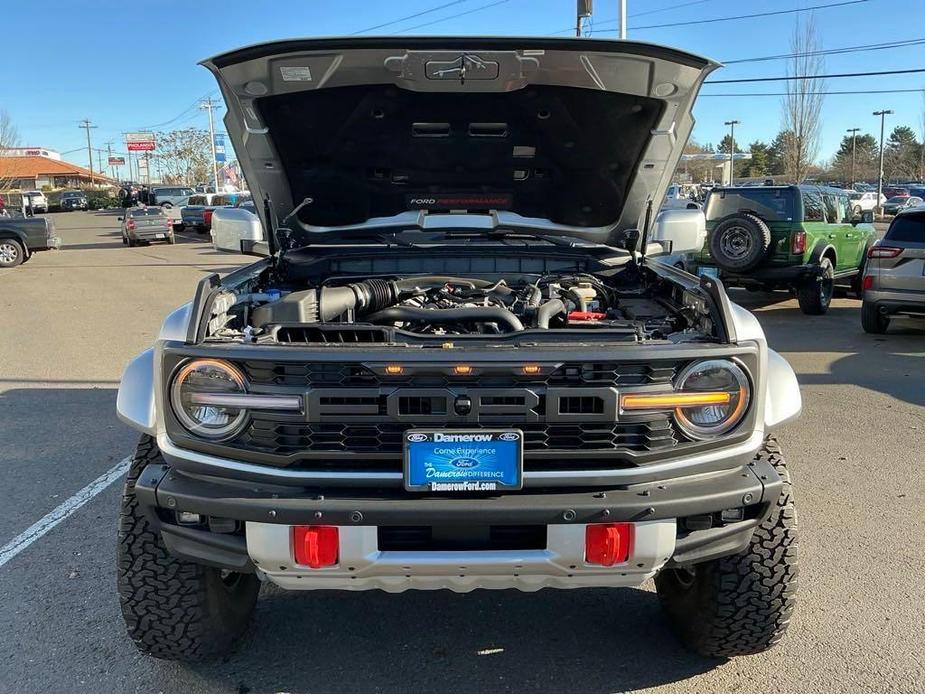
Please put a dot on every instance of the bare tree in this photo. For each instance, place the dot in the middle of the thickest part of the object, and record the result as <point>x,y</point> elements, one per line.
<point>802,107</point>
<point>9,138</point>
<point>184,155</point>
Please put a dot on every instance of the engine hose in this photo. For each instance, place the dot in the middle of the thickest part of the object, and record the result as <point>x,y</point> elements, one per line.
<point>548,311</point>
<point>484,314</point>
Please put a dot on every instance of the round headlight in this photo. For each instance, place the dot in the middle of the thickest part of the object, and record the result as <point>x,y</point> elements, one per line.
<point>199,399</point>
<point>713,376</point>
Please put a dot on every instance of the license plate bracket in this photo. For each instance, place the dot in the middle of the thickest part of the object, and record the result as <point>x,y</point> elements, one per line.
<point>463,461</point>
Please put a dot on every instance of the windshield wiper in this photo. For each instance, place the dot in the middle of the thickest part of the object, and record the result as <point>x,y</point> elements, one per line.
<point>555,239</point>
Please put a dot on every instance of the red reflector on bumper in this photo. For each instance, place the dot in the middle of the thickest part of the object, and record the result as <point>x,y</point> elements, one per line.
<point>868,282</point>
<point>315,546</point>
<point>607,544</point>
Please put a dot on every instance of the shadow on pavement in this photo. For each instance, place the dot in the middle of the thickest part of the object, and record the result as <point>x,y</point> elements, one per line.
<point>892,364</point>
<point>590,640</point>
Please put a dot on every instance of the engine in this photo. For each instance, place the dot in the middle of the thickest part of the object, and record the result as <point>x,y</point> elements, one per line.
<point>439,305</point>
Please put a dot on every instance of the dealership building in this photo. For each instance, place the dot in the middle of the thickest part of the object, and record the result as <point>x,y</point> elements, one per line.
<point>33,168</point>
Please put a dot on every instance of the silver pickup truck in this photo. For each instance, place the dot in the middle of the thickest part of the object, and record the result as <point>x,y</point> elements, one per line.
<point>20,237</point>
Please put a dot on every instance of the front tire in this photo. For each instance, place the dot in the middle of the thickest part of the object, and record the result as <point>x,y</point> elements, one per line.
<point>742,604</point>
<point>11,253</point>
<point>815,296</point>
<point>174,609</point>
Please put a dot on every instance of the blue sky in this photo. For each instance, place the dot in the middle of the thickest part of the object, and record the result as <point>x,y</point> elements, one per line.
<point>130,65</point>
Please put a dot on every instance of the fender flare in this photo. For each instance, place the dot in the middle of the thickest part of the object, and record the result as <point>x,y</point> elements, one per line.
<point>135,401</point>
<point>820,250</point>
<point>782,400</point>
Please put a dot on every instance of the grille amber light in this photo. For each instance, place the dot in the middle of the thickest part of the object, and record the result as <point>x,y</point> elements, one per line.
<point>462,370</point>
<point>669,401</point>
<point>315,546</point>
<point>394,369</point>
<point>607,544</point>
<point>531,369</point>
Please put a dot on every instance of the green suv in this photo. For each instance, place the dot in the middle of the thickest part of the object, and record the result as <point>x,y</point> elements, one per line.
<point>801,238</point>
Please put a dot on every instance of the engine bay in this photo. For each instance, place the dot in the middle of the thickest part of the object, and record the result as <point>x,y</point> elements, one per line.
<point>623,306</point>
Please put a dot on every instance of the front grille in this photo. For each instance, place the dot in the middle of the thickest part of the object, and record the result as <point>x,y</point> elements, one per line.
<point>324,374</point>
<point>285,439</point>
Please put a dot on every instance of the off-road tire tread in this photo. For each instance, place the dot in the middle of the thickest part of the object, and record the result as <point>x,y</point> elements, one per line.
<point>810,299</point>
<point>745,601</point>
<point>170,606</point>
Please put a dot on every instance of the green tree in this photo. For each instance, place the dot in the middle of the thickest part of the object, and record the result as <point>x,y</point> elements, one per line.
<point>759,163</point>
<point>866,159</point>
<point>9,138</point>
<point>726,145</point>
<point>901,158</point>
<point>777,153</point>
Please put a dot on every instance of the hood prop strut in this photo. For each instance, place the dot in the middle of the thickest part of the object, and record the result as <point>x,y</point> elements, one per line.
<point>646,224</point>
<point>272,241</point>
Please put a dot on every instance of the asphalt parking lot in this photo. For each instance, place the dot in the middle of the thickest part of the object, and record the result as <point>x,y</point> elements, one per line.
<point>73,318</point>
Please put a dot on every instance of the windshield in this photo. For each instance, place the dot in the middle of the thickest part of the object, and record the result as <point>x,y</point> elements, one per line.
<point>899,198</point>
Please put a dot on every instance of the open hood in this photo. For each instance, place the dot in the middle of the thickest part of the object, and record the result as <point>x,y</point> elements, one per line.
<point>579,132</point>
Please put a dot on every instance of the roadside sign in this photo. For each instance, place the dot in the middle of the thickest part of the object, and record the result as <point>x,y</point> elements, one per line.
<point>139,142</point>
<point>117,161</point>
<point>220,148</point>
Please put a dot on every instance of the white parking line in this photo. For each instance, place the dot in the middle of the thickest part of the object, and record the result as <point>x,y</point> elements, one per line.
<point>50,520</point>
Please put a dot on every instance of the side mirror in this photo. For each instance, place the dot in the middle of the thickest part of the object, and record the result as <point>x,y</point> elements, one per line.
<point>680,231</point>
<point>120,219</point>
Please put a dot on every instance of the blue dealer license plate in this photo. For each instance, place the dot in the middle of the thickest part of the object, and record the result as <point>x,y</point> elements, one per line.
<point>463,461</point>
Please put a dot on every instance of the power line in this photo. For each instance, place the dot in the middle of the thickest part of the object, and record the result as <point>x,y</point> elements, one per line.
<point>411,16</point>
<point>789,78</point>
<point>831,51</point>
<point>866,91</point>
<point>670,7</point>
<point>460,14</point>
<point>180,115</point>
<point>714,20</point>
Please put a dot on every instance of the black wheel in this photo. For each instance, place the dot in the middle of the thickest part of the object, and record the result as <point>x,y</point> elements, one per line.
<point>872,320</point>
<point>174,609</point>
<point>11,253</point>
<point>816,295</point>
<point>742,604</point>
<point>167,205</point>
<point>740,242</point>
<point>124,240</point>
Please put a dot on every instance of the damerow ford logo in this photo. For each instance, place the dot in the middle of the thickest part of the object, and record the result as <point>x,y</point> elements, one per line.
<point>509,436</point>
<point>417,438</point>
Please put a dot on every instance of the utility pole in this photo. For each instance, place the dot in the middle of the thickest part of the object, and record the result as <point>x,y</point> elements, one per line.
<point>854,142</point>
<point>112,169</point>
<point>622,18</point>
<point>883,114</point>
<point>207,105</point>
<point>732,150</point>
<point>583,12</point>
<point>87,125</point>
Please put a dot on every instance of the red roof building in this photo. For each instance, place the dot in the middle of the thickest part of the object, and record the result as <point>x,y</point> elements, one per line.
<point>33,173</point>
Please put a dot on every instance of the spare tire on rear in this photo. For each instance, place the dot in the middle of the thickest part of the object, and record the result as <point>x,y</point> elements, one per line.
<point>739,242</point>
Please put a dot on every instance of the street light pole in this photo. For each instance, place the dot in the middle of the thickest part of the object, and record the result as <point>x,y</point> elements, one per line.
<point>207,105</point>
<point>854,142</point>
<point>883,114</point>
<point>732,150</point>
<point>622,16</point>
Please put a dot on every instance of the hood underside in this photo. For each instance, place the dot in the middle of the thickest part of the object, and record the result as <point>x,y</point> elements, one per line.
<point>577,132</point>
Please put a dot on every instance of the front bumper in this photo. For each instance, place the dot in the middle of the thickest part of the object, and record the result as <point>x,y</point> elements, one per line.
<point>661,511</point>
